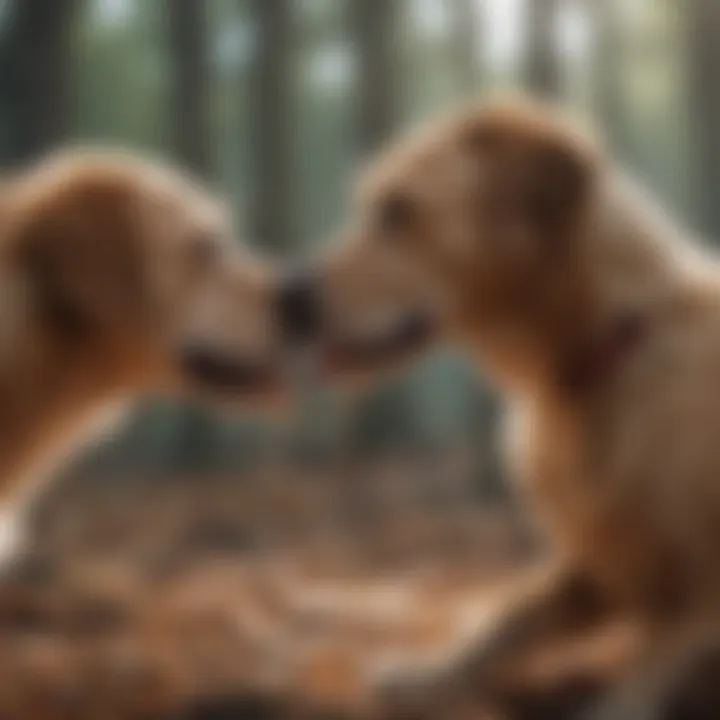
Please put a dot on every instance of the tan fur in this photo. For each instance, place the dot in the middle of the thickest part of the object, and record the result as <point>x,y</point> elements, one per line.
<point>107,273</point>
<point>527,246</point>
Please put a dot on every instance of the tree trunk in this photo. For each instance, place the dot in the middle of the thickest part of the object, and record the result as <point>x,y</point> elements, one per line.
<point>35,62</point>
<point>703,31</point>
<point>374,23</point>
<point>466,21</point>
<point>606,72</point>
<point>190,102</point>
<point>543,76</point>
<point>272,99</point>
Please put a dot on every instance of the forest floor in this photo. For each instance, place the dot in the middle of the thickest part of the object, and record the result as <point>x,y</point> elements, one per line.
<point>255,599</point>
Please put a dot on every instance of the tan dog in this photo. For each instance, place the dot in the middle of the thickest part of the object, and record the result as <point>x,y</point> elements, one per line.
<point>118,277</point>
<point>504,231</point>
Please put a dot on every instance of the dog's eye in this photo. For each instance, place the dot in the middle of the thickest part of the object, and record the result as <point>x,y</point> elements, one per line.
<point>205,249</point>
<point>396,213</point>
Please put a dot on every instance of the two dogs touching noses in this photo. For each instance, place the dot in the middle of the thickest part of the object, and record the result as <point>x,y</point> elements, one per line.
<point>299,310</point>
<point>502,230</point>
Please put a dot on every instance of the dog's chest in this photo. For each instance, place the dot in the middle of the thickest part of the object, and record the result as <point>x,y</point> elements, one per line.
<point>635,484</point>
<point>545,455</point>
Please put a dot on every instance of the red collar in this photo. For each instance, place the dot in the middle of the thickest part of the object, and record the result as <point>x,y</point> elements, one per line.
<point>597,362</point>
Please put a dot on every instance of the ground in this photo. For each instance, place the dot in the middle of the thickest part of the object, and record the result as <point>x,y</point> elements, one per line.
<point>271,596</point>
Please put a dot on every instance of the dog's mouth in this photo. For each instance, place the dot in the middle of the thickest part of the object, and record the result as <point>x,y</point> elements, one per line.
<point>225,374</point>
<point>408,337</point>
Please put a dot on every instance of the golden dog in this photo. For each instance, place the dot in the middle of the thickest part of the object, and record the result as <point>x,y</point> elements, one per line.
<point>507,232</point>
<point>117,277</point>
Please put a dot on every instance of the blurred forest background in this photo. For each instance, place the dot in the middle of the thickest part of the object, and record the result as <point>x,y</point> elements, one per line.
<point>142,596</point>
<point>276,102</point>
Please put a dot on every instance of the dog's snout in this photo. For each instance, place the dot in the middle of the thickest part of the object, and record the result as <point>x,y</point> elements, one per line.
<point>299,306</point>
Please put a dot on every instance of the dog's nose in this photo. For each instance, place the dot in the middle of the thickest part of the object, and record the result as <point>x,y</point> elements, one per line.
<point>299,306</point>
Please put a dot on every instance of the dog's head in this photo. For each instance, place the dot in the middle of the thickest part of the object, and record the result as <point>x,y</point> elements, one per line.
<point>469,231</point>
<point>134,267</point>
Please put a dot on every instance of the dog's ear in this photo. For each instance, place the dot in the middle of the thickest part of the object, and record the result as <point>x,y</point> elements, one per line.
<point>80,255</point>
<point>557,186</point>
<point>533,177</point>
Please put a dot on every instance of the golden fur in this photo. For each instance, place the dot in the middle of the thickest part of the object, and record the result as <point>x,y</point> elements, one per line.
<point>112,270</point>
<point>529,249</point>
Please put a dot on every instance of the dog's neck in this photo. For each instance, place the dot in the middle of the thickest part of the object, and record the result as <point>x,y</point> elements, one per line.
<point>649,271</point>
<point>642,260</point>
<point>639,268</point>
<point>49,397</point>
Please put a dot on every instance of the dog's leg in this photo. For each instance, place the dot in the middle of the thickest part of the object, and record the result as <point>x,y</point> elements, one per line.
<point>549,604</point>
<point>19,562</point>
<point>11,535</point>
<point>677,677</point>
